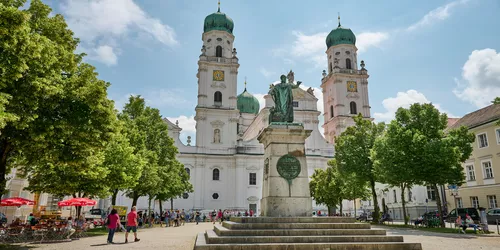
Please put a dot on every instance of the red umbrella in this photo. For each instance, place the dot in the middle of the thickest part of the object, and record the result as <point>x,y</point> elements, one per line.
<point>16,202</point>
<point>79,202</point>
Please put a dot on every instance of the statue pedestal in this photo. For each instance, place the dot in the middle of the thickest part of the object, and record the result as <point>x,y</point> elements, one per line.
<point>284,145</point>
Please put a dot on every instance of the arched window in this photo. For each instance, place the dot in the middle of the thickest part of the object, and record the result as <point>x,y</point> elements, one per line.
<point>331,111</point>
<point>353,108</point>
<point>331,68</point>
<point>218,51</point>
<point>218,98</point>
<point>215,174</point>
<point>188,171</point>
<point>348,63</point>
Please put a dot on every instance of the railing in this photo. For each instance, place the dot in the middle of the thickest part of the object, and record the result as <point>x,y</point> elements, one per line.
<point>350,71</point>
<point>218,59</point>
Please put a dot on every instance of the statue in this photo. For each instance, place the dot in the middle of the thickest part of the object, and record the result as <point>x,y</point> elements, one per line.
<point>290,76</point>
<point>217,136</point>
<point>283,100</point>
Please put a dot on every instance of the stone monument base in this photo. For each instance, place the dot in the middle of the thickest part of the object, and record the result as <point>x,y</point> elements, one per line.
<point>286,206</point>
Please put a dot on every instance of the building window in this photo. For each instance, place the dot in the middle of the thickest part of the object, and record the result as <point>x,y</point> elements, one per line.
<point>460,203</point>
<point>216,174</point>
<point>492,201</point>
<point>410,194</point>
<point>253,178</point>
<point>497,132</point>
<point>395,197</point>
<point>488,170</point>
<point>218,51</point>
<point>188,171</point>
<point>185,196</point>
<point>331,111</point>
<point>348,63</point>
<point>482,140</point>
<point>474,201</point>
<point>431,193</point>
<point>471,176</point>
<point>354,110</point>
<point>215,196</point>
<point>295,104</point>
<point>218,98</point>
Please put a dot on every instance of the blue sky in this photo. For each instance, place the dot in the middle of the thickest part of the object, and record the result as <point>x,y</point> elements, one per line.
<point>443,51</point>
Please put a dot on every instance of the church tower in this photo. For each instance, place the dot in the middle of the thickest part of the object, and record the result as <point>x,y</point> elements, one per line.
<point>345,87</point>
<point>216,113</point>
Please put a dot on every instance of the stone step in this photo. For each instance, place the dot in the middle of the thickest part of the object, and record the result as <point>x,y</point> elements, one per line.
<point>222,231</point>
<point>213,238</point>
<point>238,226</point>
<point>293,219</point>
<point>201,244</point>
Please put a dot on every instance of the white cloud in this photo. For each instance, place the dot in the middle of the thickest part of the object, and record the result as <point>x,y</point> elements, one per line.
<point>403,100</point>
<point>165,98</point>
<point>438,14</point>
<point>266,72</point>
<point>366,40</point>
<point>262,101</point>
<point>481,78</point>
<point>188,124</point>
<point>109,21</point>
<point>105,54</point>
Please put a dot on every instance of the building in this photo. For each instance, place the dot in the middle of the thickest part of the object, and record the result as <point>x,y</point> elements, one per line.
<point>226,164</point>
<point>482,169</point>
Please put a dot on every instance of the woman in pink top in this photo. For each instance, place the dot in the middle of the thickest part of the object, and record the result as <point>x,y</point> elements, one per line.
<point>113,224</point>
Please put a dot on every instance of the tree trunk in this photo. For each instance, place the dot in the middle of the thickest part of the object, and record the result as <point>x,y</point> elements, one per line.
<point>403,201</point>
<point>113,197</point>
<point>161,207</point>
<point>376,213</point>
<point>4,152</point>
<point>171,203</point>
<point>135,197</point>
<point>78,211</point>
<point>330,210</point>
<point>354,208</point>
<point>438,203</point>
<point>149,205</point>
<point>341,209</point>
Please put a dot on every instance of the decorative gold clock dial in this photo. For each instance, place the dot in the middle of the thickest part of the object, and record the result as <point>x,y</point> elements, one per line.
<point>352,86</point>
<point>218,75</point>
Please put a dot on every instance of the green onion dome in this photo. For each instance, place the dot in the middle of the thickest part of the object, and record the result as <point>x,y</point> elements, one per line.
<point>340,35</point>
<point>247,103</point>
<point>218,21</point>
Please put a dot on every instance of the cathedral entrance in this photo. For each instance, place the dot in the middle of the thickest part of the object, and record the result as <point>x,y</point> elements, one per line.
<point>252,207</point>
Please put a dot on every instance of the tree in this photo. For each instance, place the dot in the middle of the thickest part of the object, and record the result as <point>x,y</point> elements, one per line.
<point>58,113</point>
<point>436,155</point>
<point>352,151</point>
<point>325,187</point>
<point>392,156</point>
<point>124,166</point>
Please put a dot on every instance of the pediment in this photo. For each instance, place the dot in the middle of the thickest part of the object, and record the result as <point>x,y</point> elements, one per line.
<point>300,94</point>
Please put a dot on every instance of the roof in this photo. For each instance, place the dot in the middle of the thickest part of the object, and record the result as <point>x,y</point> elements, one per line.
<point>452,121</point>
<point>479,117</point>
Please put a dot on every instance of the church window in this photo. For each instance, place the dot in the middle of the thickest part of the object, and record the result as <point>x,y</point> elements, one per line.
<point>219,39</point>
<point>185,196</point>
<point>348,52</point>
<point>353,108</point>
<point>253,178</point>
<point>337,53</point>
<point>216,174</point>
<point>331,67</point>
<point>395,196</point>
<point>228,42</point>
<point>215,196</point>
<point>218,98</point>
<point>218,51</point>
<point>331,111</point>
<point>348,63</point>
<point>188,171</point>
<point>209,40</point>
<point>295,104</point>
<point>216,135</point>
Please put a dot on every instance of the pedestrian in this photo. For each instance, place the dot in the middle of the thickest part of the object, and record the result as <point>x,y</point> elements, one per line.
<point>197,217</point>
<point>219,216</point>
<point>213,216</point>
<point>113,221</point>
<point>183,217</point>
<point>69,227</point>
<point>132,224</point>
<point>251,212</point>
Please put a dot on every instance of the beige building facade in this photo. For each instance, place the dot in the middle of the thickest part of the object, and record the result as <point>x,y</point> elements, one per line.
<point>482,169</point>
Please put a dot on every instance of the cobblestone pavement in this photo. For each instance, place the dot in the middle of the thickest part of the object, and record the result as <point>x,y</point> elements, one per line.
<point>183,238</point>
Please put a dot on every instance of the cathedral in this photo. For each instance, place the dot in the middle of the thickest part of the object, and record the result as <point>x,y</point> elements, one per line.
<point>226,163</point>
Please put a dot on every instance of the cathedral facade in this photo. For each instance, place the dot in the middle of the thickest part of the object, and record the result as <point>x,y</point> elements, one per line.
<point>226,163</point>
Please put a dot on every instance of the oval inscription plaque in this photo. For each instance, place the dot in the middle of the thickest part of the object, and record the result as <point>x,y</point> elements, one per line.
<point>288,167</point>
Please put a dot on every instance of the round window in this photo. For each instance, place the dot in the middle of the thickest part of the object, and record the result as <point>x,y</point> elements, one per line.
<point>215,196</point>
<point>185,196</point>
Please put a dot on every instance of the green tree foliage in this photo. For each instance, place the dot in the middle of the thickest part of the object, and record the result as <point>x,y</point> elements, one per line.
<point>124,166</point>
<point>148,134</point>
<point>352,151</point>
<point>59,117</point>
<point>432,156</point>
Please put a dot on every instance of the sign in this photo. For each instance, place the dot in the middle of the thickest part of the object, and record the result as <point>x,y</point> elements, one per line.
<point>288,167</point>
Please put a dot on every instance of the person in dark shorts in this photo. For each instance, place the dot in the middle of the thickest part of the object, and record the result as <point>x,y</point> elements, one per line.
<point>132,224</point>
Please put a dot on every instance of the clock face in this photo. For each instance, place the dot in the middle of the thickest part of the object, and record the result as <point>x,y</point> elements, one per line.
<point>352,86</point>
<point>218,75</point>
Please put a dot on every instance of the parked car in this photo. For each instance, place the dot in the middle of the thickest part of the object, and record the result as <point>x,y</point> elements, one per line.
<point>473,212</point>
<point>493,215</point>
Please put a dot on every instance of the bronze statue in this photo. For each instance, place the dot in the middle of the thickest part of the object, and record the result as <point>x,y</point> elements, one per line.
<point>283,99</point>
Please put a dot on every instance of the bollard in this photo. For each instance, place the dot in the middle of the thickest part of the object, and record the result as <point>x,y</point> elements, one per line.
<point>497,228</point>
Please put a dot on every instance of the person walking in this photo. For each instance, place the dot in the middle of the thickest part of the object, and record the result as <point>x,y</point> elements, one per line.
<point>113,221</point>
<point>197,218</point>
<point>219,216</point>
<point>132,224</point>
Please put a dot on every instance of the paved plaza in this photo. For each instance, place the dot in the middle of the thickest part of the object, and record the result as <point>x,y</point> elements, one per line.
<point>183,238</point>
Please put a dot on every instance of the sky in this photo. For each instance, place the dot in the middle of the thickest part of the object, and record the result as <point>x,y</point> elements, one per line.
<point>442,51</point>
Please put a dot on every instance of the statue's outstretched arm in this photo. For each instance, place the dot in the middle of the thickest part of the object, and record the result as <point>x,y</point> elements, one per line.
<point>294,86</point>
